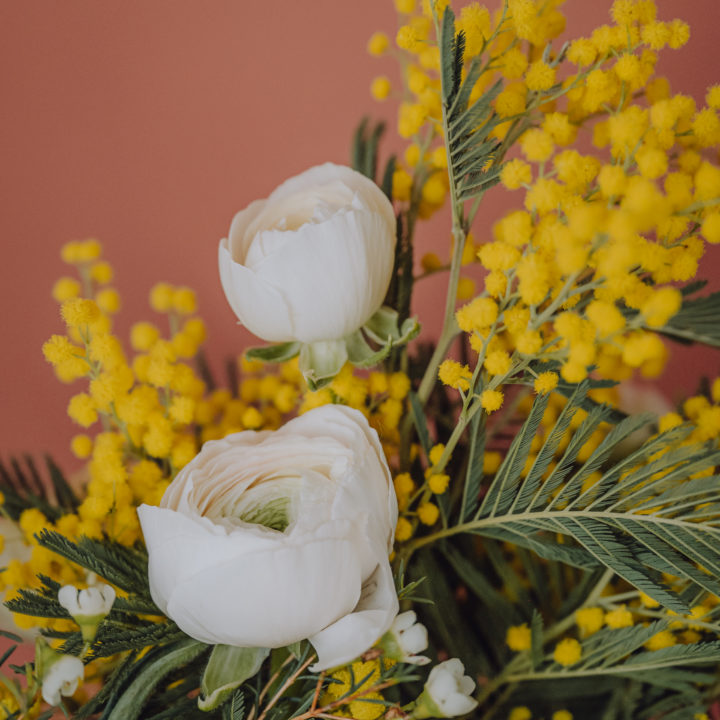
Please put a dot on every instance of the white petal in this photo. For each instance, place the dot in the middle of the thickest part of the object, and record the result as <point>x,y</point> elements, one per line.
<point>62,678</point>
<point>260,306</point>
<point>241,589</point>
<point>414,639</point>
<point>404,621</point>
<point>357,632</point>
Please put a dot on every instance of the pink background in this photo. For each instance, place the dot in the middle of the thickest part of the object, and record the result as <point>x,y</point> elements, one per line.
<point>149,124</point>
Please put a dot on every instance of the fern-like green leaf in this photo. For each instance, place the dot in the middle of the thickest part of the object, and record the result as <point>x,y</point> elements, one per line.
<point>648,513</point>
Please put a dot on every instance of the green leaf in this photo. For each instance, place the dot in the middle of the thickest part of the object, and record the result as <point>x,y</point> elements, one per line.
<point>420,422</point>
<point>131,702</point>
<point>274,353</point>
<point>387,178</point>
<point>696,321</point>
<point>228,668</point>
<point>644,516</point>
<point>536,639</point>
<point>474,473</point>
<point>448,55</point>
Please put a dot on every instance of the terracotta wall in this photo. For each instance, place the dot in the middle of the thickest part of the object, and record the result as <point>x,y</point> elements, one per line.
<point>148,124</point>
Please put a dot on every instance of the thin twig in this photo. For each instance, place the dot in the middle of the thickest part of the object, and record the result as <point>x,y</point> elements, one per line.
<point>317,691</point>
<point>284,687</point>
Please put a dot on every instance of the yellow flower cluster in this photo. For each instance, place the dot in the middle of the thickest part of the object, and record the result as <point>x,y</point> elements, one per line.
<point>154,411</point>
<point>350,692</point>
<point>581,277</point>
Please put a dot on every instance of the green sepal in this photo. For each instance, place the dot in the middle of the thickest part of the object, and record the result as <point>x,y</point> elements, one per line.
<point>361,354</point>
<point>424,707</point>
<point>321,361</point>
<point>228,668</point>
<point>274,353</point>
<point>383,328</point>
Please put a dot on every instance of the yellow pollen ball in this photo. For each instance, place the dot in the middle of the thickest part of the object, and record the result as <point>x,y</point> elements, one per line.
<point>408,38</point>
<point>619,618</point>
<point>378,44</point>
<point>403,530</point>
<point>567,652</point>
<point>515,174</point>
<point>81,446</point>
<point>108,300</point>
<point>476,315</point>
<point>184,301</point>
<point>251,418</point>
<point>101,272</point>
<point>79,312</point>
<point>65,288</point>
<point>562,715</point>
<point>438,484</point>
<point>589,620</point>
<point>661,640</point>
<point>540,76</point>
<point>403,484</point>
<point>519,637</point>
<point>428,513</point>
<point>161,297</point>
<point>546,382</point>
<point>401,185</point>
<point>436,453</point>
<point>380,88</point>
<point>520,713</point>
<point>455,375</point>
<point>491,400</point>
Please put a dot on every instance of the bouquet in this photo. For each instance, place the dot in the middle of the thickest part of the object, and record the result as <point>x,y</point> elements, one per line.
<point>357,524</point>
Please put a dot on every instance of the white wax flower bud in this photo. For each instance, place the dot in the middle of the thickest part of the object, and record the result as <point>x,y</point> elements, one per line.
<point>62,678</point>
<point>88,607</point>
<point>447,692</point>
<point>405,639</point>
<point>96,600</point>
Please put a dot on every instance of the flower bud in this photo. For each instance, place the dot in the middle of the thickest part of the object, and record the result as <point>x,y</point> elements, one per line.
<point>446,693</point>
<point>405,638</point>
<point>87,607</point>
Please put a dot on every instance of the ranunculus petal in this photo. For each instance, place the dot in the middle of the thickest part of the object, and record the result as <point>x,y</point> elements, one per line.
<point>259,306</point>
<point>353,634</point>
<point>240,588</point>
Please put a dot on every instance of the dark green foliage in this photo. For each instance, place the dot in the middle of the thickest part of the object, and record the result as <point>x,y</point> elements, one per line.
<point>669,534</point>
<point>24,487</point>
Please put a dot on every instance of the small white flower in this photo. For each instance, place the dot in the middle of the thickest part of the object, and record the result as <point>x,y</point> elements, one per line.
<point>404,639</point>
<point>87,607</point>
<point>447,692</point>
<point>62,678</point>
<point>96,600</point>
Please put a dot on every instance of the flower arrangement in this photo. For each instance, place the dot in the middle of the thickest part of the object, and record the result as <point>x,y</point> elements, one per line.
<point>355,505</point>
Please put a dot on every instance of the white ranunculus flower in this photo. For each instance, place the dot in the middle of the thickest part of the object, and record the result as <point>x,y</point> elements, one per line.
<point>267,538</point>
<point>313,261</point>
<point>62,678</point>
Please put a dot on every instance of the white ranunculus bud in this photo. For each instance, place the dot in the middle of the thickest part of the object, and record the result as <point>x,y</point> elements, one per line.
<point>447,692</point>
<point>405,639</point>
<point>268,538</point>
<point>88,607</point>
<point>313,261</point>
